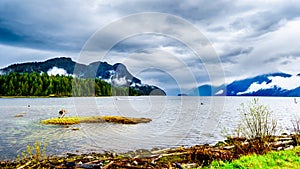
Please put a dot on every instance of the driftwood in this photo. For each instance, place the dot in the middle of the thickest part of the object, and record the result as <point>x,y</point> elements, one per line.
<point>25,165</point>
<point>108,165</point>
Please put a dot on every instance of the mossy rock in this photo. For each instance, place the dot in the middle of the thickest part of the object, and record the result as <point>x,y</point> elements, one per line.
<point>95,119</point>
<point>219,144</point>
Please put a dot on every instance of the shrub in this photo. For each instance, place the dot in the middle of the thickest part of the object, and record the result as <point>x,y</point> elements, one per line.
<point>33,157</point>
<point>296,128</point>
<point>296,125</point>
<point>256,121</point>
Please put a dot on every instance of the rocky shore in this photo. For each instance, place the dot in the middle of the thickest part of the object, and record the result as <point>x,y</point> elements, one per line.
<point>180,157</point>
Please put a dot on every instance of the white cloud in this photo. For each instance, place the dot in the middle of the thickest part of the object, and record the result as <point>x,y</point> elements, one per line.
<point>57,71</point>
<point>119,81</point>
<point>248,35</point>
<point>219,92</point>
<point>285,83</point>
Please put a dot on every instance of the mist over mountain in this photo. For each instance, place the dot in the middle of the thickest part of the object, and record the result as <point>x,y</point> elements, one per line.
<point>274,84</point>
<point>116,75</point>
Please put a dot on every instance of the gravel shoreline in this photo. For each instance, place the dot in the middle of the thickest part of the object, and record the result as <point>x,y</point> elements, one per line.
<point>179,157</point>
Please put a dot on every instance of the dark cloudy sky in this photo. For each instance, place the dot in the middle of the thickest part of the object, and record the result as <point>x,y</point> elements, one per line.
<point>249,37</point>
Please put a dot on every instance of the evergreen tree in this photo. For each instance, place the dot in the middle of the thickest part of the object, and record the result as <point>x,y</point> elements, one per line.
<point>35,84</point>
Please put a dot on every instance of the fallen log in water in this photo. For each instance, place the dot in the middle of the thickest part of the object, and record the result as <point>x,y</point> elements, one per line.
<point>95,119</point>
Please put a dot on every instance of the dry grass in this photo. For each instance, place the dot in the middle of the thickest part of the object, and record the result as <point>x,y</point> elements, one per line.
<point>95,119</point>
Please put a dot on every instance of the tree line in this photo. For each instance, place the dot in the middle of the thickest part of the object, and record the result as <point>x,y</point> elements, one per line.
<point>41,84</point>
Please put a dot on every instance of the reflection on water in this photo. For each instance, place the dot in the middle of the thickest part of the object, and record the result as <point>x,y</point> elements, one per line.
<point>176,121</point>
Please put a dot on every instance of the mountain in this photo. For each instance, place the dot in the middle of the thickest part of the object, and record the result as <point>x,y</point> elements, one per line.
<point>65,63</point>
<point>116,75</point>
<point>274,84</point>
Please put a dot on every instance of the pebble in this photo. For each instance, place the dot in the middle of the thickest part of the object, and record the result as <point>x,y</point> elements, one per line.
<point>135,162</point>
<point>90,166</point>
<point>289,148</point>
<point>70,164</point>
<point>228,147</point>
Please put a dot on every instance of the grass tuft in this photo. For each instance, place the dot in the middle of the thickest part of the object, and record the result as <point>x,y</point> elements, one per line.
<point>274,159</point>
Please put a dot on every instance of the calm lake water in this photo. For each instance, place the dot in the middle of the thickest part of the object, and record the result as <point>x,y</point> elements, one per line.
<point>176,121</point>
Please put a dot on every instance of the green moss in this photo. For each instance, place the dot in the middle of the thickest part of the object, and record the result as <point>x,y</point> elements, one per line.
<point>95,119</point>
<point>175,158</point>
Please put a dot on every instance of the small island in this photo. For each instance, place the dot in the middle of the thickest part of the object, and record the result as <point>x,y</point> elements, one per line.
<point>95,119</point>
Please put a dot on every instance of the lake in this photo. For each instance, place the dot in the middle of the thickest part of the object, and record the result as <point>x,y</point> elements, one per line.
<point>176,121</point>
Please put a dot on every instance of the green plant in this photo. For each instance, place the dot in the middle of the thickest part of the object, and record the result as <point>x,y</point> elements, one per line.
<point>296,125</point>
<point>296,128</point>
<point>33,156</point>
<point>274,159</point>
<point>256,121</point>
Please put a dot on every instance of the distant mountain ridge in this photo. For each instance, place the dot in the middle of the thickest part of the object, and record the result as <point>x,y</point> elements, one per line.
<point>116,74</point>
<point>273,84</point>
<point>29,67</point>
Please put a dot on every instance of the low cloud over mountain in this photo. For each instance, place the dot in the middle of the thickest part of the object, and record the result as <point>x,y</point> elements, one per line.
<point>275,84</point>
